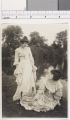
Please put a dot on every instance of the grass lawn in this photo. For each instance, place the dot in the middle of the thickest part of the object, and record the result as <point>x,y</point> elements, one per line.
<point>12,109</point>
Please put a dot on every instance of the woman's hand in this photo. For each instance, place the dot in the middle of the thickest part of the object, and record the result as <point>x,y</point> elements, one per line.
<point>57,97</point>
<point>18,82</point>
<point>34,68</point>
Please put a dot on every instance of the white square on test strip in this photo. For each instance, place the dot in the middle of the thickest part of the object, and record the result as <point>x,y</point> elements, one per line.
<point>13,5</point>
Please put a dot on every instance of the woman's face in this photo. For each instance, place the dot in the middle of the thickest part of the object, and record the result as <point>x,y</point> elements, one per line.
<point>23,45</point>
<point>50,76</point>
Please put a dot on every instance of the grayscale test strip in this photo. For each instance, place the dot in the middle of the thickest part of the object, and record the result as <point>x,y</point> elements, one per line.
<point>35,14</point>
<point>36,5</point>
<point>40,9</point>
<point>43,5</point>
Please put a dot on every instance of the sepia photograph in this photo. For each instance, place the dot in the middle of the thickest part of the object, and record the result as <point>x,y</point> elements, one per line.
<point>34,70</point>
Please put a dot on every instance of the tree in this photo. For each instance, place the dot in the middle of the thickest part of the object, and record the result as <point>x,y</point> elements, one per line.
<point>61,39</point>
<point>60,52</point>
<point>11,40</point>
<point>12,35</point>
<point>39,50</point>
<point>36,39</point>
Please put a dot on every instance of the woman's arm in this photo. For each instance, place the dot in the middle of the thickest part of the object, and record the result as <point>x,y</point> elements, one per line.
<point>32,59</point>
<point>31,56</point>
<point>58,94</point>
<point>16,60</point>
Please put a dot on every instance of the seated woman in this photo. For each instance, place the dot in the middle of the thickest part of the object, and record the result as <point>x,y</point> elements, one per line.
<point>49,91</point>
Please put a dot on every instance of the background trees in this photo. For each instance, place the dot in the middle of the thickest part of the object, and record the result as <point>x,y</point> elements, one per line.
<point>11,40</point>
<point>44,55</point>
<point>61,43</point>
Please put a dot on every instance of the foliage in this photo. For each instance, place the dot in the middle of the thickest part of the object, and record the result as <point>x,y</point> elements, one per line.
<point>60,51</point>
<point>36,39</point>
<point>11,40</point>
<point>12,35</point>
<point>50,55</point>
<point>61,39</point>
<point>43,54</point>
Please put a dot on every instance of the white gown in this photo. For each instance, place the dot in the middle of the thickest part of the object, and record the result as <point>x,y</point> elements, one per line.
<point>25,73</point>
<point>47,97</point>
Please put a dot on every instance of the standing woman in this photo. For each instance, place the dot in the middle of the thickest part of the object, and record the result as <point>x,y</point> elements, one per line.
<point>25,71</point>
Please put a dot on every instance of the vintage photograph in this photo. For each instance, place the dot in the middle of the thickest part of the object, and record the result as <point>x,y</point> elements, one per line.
<point>34,70</point>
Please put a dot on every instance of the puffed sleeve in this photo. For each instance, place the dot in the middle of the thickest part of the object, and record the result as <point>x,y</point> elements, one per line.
<point>16,60</point>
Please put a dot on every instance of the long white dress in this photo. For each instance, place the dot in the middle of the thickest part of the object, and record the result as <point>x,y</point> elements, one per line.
<point>25,73</point>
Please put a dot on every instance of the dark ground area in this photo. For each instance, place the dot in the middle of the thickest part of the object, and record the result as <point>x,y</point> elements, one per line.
<point>12,109</point>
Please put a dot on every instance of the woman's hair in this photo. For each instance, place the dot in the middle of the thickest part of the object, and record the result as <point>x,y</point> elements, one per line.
<point>24,40</point>
<point>56,75</point>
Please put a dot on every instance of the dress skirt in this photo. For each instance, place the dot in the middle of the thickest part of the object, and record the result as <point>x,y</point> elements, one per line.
<point>25,79</point>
